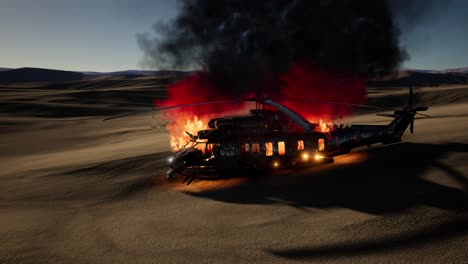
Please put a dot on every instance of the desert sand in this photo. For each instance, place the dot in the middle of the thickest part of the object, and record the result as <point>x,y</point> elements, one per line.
<point>74,189</point>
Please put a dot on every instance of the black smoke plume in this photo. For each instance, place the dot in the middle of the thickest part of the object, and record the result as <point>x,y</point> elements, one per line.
<point>241,43</point>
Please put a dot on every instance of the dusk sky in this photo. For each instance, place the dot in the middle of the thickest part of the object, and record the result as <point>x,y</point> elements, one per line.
<point>101,35</point>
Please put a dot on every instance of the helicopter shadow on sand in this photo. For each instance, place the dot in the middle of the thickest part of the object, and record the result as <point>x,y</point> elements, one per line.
<point>388,180</point>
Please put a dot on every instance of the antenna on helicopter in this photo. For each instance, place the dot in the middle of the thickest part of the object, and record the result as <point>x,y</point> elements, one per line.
<point>259,102</point>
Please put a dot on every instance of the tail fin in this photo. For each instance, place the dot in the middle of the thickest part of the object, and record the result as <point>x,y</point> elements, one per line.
<point>405,117</point>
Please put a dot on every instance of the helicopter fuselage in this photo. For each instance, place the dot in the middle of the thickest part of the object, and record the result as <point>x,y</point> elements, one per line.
<point>266,140</point>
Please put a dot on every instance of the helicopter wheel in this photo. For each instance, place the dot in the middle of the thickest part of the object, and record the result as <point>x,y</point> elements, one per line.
<point>170,176</point>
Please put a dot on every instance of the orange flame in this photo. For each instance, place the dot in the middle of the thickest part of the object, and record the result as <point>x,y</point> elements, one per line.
<point>322,125</point>
<point>186,122</point>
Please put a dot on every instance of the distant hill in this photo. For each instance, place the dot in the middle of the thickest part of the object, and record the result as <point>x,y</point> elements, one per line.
<point>420,78</point>
<point>38,75</point>
<point>456,70</point>
<point>22,75</point>
<point>130,73</point>
<point>122,73</point>
<point>450,70</point>
<point>404,78</point>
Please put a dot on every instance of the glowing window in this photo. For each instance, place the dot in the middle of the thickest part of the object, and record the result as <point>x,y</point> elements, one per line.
<point>321,144</point>
<point>300,145</point>
<point>209,148</point>
<point>245,148</point>
<point>255,148</point>
<point>281,148</point>
<point>269,148</point>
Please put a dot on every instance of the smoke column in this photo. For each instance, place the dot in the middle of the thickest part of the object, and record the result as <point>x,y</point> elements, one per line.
<point>244,45</point>
<point>311,50</point>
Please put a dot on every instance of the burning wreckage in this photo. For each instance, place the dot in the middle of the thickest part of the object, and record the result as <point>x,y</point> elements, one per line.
<point>265,139</point>
<point>274,137</point>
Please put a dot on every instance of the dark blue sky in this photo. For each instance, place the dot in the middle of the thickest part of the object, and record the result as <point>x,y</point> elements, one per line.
<point>100,35</point>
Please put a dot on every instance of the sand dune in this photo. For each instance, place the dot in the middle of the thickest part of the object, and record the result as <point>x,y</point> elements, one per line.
<point>38,75</point>
<point>75,189</point>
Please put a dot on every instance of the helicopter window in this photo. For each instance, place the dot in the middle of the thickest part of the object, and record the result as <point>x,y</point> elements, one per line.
<point>255,148</point>
<point>300,144</point>
<point>281,148</point>
<point>269,148</point>
<point>209,148</point>
<point>321,144</point>
<point>245,148</point>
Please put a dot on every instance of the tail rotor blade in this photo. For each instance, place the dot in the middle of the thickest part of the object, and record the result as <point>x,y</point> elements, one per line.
<point>410,102</point>
<point>387,115</point>
<point>428,116</point>
<point>421,108</point>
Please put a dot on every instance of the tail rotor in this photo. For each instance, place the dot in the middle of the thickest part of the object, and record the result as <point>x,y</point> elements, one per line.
<point>411,107</point>
<point>414,109</point>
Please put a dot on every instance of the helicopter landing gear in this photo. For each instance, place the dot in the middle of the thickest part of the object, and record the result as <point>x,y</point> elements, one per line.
<point>170,175</point>
<point>188,179</point>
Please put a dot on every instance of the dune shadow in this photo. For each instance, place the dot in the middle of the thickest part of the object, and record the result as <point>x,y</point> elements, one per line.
<point>388,180</point>
<point>114,179</point>
<point>433,234</point>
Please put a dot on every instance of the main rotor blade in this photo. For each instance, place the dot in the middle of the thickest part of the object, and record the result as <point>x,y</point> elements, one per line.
<point>393,115</point>
<point>334,103</point>
<point>172,107</point>
<point>354,105</point>
<point>196,104</point>
<point>272,103</point>
<point>127,114</point>
<point>302,122</point>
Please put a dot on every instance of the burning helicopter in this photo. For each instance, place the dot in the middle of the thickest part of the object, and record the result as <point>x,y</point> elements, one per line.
<point>273,136</point>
